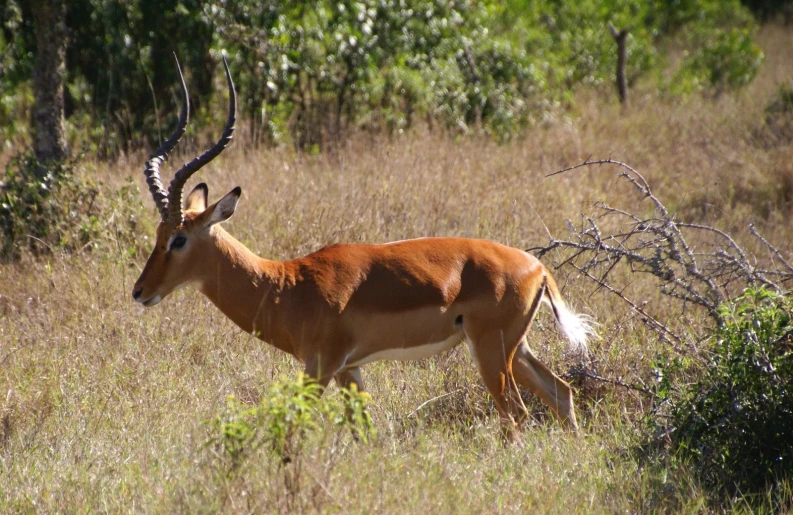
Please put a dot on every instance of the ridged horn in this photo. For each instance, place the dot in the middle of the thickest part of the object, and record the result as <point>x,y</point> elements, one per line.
<point>175,211</point>
<point>156,160</point>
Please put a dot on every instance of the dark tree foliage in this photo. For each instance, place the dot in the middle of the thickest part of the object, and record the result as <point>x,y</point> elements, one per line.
<point>310,71</point>
<point>124,51</point>
<point>16,25</point>
<point>766,9</point>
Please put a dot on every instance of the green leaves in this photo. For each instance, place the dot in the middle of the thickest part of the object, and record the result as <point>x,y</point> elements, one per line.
<point>736,422</point>
<point>45,209</point>
<point>727,60</point>
<point>308,72</point>
<point>285,421</point>
<point>493,66</point>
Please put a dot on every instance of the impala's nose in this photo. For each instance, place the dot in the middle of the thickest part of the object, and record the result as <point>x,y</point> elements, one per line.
<point>136,293</point>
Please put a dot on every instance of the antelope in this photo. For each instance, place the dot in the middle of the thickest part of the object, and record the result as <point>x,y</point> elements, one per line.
<point>347,305</point>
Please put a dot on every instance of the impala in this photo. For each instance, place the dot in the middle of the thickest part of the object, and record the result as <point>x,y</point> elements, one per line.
<point>347,305</point>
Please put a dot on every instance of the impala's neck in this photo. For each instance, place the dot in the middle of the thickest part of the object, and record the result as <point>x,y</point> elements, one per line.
<point>245,287</point>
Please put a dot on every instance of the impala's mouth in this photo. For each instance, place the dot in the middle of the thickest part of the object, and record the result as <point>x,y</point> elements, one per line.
<point>150,301</point>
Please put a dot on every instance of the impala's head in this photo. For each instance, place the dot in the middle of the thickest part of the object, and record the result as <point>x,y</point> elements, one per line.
<point>180,251</point>
<point>183,231</point>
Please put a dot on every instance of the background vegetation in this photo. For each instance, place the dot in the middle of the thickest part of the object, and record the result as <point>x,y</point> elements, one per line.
<point>309,72</point>
<point>108,407</point>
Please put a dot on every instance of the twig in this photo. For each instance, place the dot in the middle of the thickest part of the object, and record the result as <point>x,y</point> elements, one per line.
<point>49,247</point>
<point>5,358</point>
<point>770,247</point>
<point>658,245</point>
<point>618,382</point>
<point>658,326</point>
<point>425,403</point>
<point>154,99</point>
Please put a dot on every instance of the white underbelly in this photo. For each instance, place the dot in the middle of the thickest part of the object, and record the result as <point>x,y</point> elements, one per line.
<point>408,353</point>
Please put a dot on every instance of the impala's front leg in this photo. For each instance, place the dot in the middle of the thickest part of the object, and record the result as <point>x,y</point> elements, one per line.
<point>346,380</point>
<point>322,369</point>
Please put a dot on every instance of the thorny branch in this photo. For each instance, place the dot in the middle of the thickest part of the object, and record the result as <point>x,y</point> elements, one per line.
<point>582,372</point>
<point>704,275</point>
<point>664,332</point>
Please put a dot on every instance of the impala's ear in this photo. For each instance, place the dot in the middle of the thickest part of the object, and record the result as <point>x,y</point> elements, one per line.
<point>222,210</point>
<point>197,199</point>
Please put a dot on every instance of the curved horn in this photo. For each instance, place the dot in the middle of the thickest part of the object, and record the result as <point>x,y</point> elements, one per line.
<point>175,212</point>
<point>152,170</point>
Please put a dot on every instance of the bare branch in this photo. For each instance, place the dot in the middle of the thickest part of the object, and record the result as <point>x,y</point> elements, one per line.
<point>705,274</point>
<point>667,334</point>
<point>770,247</point>
<point>581,372</point>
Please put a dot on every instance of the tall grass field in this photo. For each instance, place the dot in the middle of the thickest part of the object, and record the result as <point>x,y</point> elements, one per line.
<point>109,407</point>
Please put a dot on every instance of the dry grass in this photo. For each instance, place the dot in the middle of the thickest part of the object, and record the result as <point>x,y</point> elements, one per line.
<point>104,402</point>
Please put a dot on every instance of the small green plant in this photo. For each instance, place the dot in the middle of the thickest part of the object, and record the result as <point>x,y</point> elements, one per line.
<point>292,425</point>
<point>736,423</point>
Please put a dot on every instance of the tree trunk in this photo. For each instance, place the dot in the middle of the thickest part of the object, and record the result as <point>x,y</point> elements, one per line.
<point>621,37</point>
<point>49,18</point>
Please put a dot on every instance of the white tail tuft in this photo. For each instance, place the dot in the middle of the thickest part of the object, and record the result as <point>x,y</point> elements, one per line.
<point>578,329</point>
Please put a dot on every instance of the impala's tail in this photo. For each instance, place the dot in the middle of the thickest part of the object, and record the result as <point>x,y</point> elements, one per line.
<point>577,328</point>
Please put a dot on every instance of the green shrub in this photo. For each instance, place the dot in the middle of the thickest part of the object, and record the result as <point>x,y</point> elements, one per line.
<point>309,71</point>
<point>296,434</point>
<point>736,423</point>
<point>44,209</point>
<point>284,421</point>
<point>40,206</point>
<point>727,60</point>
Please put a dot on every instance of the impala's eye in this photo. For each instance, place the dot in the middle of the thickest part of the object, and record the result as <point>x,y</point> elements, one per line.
<point>178,242</point>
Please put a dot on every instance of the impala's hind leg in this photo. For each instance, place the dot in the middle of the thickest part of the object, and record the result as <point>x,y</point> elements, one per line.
<point>492,352</point>
<point>532,374</point>
<point>349,378</point>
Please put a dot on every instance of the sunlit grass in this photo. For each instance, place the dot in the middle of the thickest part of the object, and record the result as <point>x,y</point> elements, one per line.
<point>104,403</point>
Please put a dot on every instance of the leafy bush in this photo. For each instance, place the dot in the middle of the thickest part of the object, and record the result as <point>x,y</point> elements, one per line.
<point>736,423</point>
<point>308,71</point>
<point>284,421</point>
<point>298,435</point>
<point>47,209</point>
<point>727,61</point>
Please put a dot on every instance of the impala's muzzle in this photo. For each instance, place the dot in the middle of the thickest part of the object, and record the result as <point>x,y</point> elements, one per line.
<point>148,301</point>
